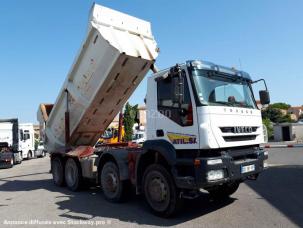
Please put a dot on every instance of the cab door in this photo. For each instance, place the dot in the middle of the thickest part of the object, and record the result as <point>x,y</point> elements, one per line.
<point>177,119</point>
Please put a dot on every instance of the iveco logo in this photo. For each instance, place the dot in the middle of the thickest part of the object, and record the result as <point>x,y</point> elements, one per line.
<point>243,130</point>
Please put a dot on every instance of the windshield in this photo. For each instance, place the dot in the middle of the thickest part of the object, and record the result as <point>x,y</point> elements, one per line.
<point>214,89</point>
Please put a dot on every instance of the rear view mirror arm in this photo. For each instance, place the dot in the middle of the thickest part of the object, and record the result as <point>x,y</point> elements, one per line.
<point>259,81</point>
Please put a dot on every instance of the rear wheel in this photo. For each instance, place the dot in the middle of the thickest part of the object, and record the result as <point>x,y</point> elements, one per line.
<point>58,171</point>
<point>160,191</point>
<point>224,191</point>
<point>72,175</point>
<point>113,187</point>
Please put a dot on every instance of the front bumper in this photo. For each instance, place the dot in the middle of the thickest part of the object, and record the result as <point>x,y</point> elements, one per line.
<point>231,167</point>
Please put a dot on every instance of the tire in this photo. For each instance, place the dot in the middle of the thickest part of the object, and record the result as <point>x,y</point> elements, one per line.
<point>73,176</point>
<point>58,171</point>
<point>160,191</point>
<point>29,155</point>
<point>20,158</point>
<point>113,187</point>
<point>224,191</point>
<point>11,162</point>
<point>14,160</point>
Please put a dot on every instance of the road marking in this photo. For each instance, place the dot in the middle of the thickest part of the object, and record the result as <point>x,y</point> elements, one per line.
<point>282,146</point>
<point>284,165</point>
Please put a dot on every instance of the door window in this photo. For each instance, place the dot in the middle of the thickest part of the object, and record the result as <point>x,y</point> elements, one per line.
<point>178,110</point>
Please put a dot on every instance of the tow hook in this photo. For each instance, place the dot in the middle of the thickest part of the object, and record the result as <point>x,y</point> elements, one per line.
<point>253,177</point>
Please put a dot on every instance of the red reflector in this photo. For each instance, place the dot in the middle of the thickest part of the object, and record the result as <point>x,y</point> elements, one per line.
<point>197,162</point>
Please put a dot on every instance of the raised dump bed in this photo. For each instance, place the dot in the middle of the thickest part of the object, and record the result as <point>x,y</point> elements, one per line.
<point>116,54</point>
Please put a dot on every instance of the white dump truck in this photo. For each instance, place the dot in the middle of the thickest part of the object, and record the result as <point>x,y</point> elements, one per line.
<point>204,129</point>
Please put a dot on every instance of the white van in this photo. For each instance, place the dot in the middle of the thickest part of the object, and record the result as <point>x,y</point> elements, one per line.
<point>139,137</point>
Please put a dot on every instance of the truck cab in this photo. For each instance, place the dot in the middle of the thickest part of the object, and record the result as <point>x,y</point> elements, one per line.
<point>207,115</point>
<point>206,107</point>
<point>27,140</point>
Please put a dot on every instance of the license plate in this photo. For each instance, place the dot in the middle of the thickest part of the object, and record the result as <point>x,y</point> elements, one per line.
<point>247,168</point>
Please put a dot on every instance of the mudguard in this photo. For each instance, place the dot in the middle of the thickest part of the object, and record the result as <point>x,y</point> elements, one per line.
<point>163,147</point>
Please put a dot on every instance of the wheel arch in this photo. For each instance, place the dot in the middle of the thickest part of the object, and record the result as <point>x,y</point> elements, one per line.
<point>155,152</point>
<point>61,156</point>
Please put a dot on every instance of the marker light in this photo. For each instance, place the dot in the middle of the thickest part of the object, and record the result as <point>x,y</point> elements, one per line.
<point>214,162</point>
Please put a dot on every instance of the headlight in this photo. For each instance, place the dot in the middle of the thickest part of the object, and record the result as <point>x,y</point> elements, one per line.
<point>215,175</point>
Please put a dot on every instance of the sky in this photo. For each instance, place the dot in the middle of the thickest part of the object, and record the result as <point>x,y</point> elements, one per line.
<point>40,39</point>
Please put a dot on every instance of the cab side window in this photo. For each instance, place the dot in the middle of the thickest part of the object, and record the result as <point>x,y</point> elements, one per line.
<point>168,103</point>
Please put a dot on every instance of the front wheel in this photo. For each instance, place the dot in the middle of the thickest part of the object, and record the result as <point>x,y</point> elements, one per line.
<point>160,191</point>
<point>224,191</point>
<point>29,155</point>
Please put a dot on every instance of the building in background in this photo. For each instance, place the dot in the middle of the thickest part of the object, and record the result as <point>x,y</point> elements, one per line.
<point>288,132</point>
<point>295,112</point>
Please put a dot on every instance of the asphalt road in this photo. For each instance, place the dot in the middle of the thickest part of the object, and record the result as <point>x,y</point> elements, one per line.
<point>27,194</point>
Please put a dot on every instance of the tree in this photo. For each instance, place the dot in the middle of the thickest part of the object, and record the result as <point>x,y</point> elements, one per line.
<point>280,105</point>
<point>275,115</point>
<point>269,126</point>
<point>129,118</point>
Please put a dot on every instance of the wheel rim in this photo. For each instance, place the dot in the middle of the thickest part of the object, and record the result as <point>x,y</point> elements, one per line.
<point>111,182</point>
<point>157,190</point>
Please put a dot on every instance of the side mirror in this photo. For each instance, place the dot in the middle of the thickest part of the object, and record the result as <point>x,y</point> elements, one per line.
<point>264,97</point>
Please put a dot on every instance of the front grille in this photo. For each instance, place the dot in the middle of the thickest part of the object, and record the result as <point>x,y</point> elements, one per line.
<point>239,138</point>
<point>233,130</point>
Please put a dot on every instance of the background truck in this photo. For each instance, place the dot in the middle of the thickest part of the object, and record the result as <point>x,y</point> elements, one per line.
<point>204,129</point>
<point>10,153</point>
<point>27,140</point>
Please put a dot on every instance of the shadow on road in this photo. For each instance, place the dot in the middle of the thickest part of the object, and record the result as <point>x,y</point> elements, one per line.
<point>282,187</point>
<point>90,203</point>
<point>25,175</point>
